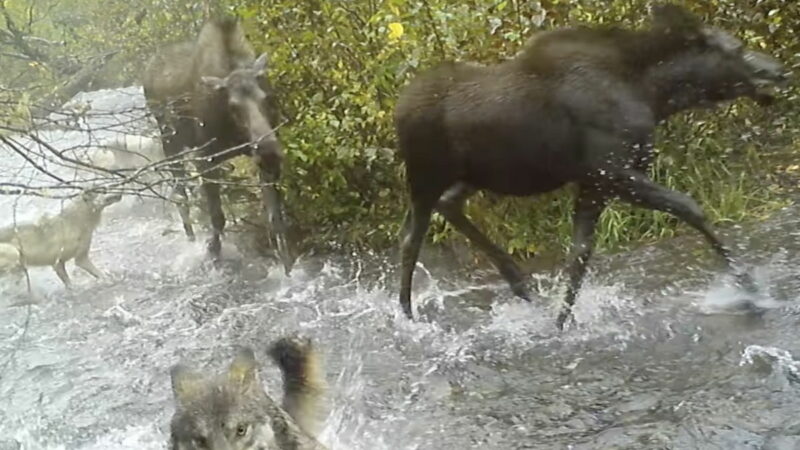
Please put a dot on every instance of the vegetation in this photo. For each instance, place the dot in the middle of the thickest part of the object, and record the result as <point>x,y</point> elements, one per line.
<point>339,65</point>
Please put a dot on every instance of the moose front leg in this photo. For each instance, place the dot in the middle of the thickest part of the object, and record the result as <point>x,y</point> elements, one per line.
<point>174,141</point>
<point>588,207</point>
<point>637,189</point>
<point>269,164</point>
<point>211,190</point>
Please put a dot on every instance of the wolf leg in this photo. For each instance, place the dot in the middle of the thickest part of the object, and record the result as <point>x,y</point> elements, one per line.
<point>23,274</point>
<point>61,271</point>
<point>85,263</point>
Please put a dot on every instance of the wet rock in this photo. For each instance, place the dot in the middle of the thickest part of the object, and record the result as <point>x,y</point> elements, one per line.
<point>782,443</point>
<point>559,410</point>
<point>718,436</point>
<point>10,445</point>
<point>639,403</point>
<point>610,438</point>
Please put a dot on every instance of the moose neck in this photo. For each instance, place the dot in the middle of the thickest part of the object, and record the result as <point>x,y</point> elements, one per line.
<point>676,85</point>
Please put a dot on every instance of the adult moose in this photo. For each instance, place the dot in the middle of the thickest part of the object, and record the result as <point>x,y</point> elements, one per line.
<point>577,105</point>
<point>211,95</point>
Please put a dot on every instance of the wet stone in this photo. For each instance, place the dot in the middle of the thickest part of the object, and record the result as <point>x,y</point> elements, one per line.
<point>639,403</point>
<point>559,410</point>
<point>782,443</point>
<point>722,437</point>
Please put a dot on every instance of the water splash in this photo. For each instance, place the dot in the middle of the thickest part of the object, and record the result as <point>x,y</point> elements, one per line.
<point>781,361</point>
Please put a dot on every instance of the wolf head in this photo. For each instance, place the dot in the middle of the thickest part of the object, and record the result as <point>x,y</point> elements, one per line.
<point>232,412</point>
<point>97,201</point>
<point>228,412</point>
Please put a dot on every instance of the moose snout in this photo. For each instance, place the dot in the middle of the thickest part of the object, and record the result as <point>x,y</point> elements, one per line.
<point>765,68</point>
<point>267,152</point>
<point>767,73</point>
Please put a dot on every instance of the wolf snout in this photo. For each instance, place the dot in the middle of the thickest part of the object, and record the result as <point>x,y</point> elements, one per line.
<point>111,199</point>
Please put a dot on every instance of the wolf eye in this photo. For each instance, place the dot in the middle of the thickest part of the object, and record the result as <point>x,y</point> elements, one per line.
<point>241,430</point>
<point>200,442</point>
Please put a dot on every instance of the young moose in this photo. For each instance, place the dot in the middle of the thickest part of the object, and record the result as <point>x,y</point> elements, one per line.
<point>576,105</point>
<point>212,95</point>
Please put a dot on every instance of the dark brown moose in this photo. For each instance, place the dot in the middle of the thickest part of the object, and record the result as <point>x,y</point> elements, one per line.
<point>577,105</point>
<point>211,96</point>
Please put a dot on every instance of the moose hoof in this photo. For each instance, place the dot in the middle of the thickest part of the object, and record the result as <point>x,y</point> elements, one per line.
<point>214,247</point>
<point>745,282</point>
<point>565,314</point>
<point>521,291</point>
<point>408,312</point>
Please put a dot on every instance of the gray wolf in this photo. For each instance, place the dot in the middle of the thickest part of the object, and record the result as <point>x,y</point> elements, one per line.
<point>577,105</point>
<point>232,411</point>
<point>54,240</point>
<point>212,95</point>
<point>127,151</point>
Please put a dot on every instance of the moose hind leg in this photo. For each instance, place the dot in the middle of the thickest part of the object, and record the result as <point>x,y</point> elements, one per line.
<point>451,206</point>
<point>588,207</point>
<point>417,222</point>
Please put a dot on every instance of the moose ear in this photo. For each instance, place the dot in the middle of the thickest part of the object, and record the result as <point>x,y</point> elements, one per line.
<point>243,372</point>
<point>722,40</point>
<point>674,18</point>
<point>215,83</point>
<point>260,64</point>
<point>185,384</point>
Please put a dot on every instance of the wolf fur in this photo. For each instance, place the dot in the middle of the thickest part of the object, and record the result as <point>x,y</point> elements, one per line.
<point>233,411</point>
<point>127,151</point>
<point>54,240</point>
<point>304,386</point>
<point>10,258</point>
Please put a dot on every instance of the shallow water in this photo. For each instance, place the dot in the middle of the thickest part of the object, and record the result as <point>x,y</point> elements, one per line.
<point>659,357</point>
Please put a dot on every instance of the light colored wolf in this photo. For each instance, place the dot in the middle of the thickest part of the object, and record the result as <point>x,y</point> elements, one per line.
<point>232,411</point>
<point>54,240</point>
<point>127,151</point>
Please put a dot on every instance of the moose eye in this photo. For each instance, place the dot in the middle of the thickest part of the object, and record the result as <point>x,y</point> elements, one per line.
<point>241,430</point>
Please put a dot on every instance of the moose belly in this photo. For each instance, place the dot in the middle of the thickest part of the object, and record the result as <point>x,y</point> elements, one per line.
<point>516,182</point>
<point>520,156</point>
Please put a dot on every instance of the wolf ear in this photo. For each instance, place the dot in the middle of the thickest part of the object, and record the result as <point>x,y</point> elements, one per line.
<point>243,372</point>
<point>215,83</point>
<point>260,64</point>
<point>88,196</point>
<point>185,383</point>
<point>674,18</point>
